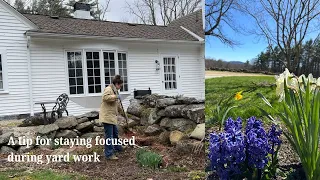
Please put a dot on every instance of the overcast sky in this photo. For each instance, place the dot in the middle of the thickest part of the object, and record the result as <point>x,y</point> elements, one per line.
<point>117,10</point>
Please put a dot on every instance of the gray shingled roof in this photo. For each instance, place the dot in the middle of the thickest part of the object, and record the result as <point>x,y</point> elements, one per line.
<point>75,26</point>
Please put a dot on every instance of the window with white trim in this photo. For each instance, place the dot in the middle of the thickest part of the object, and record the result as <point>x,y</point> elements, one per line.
<point>89,71</point>
<point>93,72</point>
<point>1,74</point>
<point>122,62</point>
<point>170,74</point>
<point>76,85</point>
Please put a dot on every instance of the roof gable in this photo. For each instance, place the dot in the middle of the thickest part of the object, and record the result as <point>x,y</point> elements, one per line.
<point>17,14</point>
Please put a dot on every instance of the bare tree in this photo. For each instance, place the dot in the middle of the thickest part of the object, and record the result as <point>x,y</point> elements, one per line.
<point>102,10</point>
<point>218,16</point>
<point>284,23</point>
<point>162,12</point>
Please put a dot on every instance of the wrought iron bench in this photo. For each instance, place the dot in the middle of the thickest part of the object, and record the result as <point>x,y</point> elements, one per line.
<point>58,109</point>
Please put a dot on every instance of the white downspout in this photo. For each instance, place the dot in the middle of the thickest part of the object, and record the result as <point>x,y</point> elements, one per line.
<point>30,76</point>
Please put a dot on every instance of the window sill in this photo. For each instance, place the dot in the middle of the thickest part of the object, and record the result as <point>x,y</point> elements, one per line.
<point>4,92</point>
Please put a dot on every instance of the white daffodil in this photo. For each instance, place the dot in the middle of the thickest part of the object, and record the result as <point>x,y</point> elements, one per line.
<point>291,82</point>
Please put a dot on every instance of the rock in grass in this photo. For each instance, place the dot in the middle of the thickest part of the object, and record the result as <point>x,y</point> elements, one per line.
<point>164,137</point>
<point>199,132</point>
<point>180,124</point>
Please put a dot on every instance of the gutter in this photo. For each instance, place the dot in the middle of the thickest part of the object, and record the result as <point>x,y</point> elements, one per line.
<point>30,76</point>
<point>55,35</point>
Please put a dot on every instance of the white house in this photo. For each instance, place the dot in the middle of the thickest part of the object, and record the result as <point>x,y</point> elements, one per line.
<point>42,57</point>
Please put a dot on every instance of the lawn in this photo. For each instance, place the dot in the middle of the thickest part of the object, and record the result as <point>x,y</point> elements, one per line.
<point>225,87</point>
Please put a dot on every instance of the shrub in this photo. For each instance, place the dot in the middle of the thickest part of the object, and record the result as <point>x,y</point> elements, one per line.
<point>148,159</point>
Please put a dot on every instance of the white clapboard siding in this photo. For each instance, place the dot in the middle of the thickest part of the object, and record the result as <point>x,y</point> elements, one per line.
<point>14,42</point>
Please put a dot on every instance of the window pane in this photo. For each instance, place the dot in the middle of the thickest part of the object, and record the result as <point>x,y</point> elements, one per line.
<point>124,64</point>
<point>79,72</point>
<point>96,64</point>
<point>91,89</point>
<point>70,64</point>
<point>72,81</point>
<point>125,72</point>
<point>1,78</point>
<point>126,87</point>
<point>119,56</point>
<point>111,56</point>
<point>96,55</point>
<point>173,61</point>
<point>98,89</point>
<point>78,64</point>
<point>73,90</point>
<point>124,56</point>
<point>106,73</point>
<point>97,72</point>
<point>112,64</point>
<point>106,64</point>
<point>1,85</point>
<point>90,80</point>
<point>72,73</point>
<point>70,56</point>
<point>78,56</point>
<point>89,64</point>
<point>174,85</point>
<point>90,72</point>
<point>113,72</point>
<point>80,89</point>
<point>169,70</point>
<point>97,80</point>
<point>79,81</point>
<point>107,81</point>
<point>120,64</point>
<point>89,55</point>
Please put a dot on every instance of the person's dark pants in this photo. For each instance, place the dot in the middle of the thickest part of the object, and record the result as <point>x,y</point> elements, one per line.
<point>111,132</point>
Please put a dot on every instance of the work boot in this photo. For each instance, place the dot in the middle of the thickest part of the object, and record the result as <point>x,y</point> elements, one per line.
<point>113,157</point>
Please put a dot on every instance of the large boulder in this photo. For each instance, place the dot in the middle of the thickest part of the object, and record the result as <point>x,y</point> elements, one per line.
<point>153,130</point>
<point>199,132</point>
<point>161,113</point>
<point>66,122</point>
<point>162,103</point>
<point>186,100</point>
<point>174,111</point>
<point>135,108</point>
<point>82,120</point>
<point>4,138</point>
<point>122,122</point>
<point>28,132</point>
<point>96,122</point>
<point>180,124</point>
<point>46,129</point>
<point>153,118</point>
<point>92,135</point>
<point>90,115</point>
<point>151,100</point>
<point>176,136</point>
<point>6,150</point>
<point>84,127</point>
<point>195,112</point>
<point>66,134</point>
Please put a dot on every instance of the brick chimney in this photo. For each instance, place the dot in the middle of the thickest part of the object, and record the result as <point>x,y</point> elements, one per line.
<point>82,11</point>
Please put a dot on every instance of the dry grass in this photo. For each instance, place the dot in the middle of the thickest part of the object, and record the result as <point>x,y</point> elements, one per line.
<point>214,74</point>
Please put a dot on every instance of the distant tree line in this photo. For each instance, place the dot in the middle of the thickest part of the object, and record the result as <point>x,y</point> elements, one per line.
<point>307,61</point>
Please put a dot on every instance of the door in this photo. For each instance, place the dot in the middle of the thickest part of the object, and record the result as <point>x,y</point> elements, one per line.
<point>170,75</point>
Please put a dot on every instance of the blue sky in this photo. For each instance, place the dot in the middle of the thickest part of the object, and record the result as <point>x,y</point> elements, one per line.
<point>250,45</point>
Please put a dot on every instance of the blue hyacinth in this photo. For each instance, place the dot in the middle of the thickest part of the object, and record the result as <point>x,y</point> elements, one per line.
<point>229,150</point>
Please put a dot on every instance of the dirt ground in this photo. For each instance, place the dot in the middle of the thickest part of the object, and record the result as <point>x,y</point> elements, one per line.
<point>215,74</point>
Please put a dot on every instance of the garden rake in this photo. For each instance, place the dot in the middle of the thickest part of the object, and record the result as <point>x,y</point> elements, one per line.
<point>198,147</point>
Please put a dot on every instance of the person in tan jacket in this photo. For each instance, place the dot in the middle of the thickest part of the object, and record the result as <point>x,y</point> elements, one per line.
<point>109,111</point>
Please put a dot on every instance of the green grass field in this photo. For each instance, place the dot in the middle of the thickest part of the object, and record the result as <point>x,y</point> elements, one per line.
<point>224,87</point>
